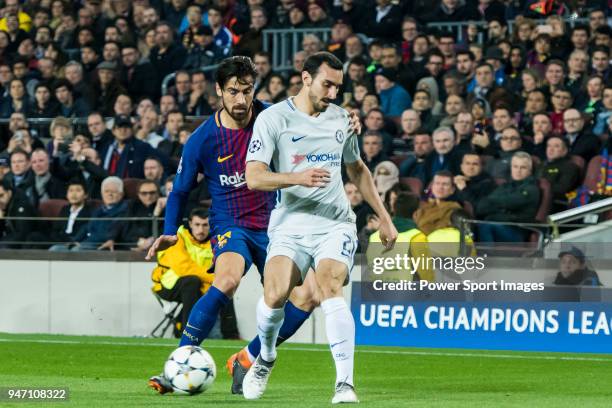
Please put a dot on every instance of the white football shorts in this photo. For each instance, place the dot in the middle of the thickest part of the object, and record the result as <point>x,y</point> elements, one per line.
<point>339,243</point>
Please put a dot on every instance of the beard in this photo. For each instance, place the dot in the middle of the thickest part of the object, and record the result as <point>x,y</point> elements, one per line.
<point>238,112</point>
<point>319,104</point>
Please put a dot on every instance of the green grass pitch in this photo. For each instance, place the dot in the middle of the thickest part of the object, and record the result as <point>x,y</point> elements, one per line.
<point>112,372</point>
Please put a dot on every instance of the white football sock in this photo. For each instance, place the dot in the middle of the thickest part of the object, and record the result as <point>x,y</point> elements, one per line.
<point>269,322</point>
<point>340,328</point>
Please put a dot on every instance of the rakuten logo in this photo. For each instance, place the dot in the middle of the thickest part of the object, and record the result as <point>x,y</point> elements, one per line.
<point>235,180</point>
<point>322,157</point>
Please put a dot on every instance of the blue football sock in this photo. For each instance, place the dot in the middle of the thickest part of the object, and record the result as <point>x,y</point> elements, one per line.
<point>203,317</point>
<point>294,318</point>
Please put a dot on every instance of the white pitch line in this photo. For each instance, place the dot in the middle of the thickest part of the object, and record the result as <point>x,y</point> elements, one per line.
<point>291,348</point>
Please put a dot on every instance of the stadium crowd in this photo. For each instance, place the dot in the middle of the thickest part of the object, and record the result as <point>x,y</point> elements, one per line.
<point>499,128</point>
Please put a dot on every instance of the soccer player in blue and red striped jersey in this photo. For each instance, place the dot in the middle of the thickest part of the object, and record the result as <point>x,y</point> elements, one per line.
<point>238,216</point>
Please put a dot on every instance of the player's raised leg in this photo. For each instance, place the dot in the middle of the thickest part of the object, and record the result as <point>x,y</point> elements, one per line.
<point>229,268</point>
<point>302,301</point>
<point>281,275</point>
<point>340,326</point>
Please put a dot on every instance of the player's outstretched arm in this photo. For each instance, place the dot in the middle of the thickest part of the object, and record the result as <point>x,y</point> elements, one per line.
<point>360,175</point>
<point>259,177</point>
<point>162,243</point>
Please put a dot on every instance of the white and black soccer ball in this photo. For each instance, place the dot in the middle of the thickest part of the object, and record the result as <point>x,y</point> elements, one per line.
<point>190,370</point>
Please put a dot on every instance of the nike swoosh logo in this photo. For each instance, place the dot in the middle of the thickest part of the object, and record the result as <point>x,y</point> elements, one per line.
<point>295,139</point>
<point>335,344</point>
<point>222,159</point>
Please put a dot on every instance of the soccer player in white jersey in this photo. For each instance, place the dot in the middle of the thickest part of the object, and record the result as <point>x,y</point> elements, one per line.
<point>306,138</point>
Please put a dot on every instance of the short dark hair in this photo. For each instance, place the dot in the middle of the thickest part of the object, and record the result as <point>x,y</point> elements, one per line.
<point>444,173</point>
<point>581,27</point>
<point>314,62</point>
<point>485,64</point>
<point>77,182</point>
<point>155,158</point>
<point>200,212</point>
<point>601,48</point>
<point>469,53</point>
<point>19,151</point>
<point>406,204</point>
<point>63,83</point>
<point>238,66</point>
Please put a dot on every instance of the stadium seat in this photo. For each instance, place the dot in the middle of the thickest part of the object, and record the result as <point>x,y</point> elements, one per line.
<point>414,184</point>
<point>543,209</point>
<point>397,160</point>
<point>592,173</point>
<point>578,161</point>
<point>130,187</point>
<point>51,208</point>
<point>95,203</point>
<point>171,311</point>
<point>545,200</point>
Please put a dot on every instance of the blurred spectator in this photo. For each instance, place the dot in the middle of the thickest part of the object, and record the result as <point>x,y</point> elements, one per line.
<point>463,126</point>
<point>138,76</point>
<point>415,165</point>
<point>410,124</point>
<point>435,213</point>
<point>601,121</point>
<point>393,98</point>
<point>154,171</point>
<point>252,41</point>
<point>222,35</point>
<point>204,51</point>
<point>74,228</point>
<point>311,44</point>
<point>182,90</point>
<point>13,8</point>
<point>17,100</point>
<point>44,106</point>
<point>541,130</point>
<point>358,205</point>
<point>264,70</point>
<point>375,121</point>
<point>317,14</point>
<point>383,20</point>
<point>146,128</point>
<point>126,155</point>
<point>14,203</point>
<point>101,229</point>
<point>21,176</point>
<point>562,100</point>
<point>582,143</point>
<point>510,143</point>
<point>138,234</point>
<point>372,149</point>
<point>444,156</point>
<point>514,201</point>
<point>83,164</point>
<point>560,171</point>
<point>385,175</point>
<point>100,135</point>
<point>166,56</point>
<point>574,271</point>
<point>106,87</point>
<point>171,146</point>
<point>46,186</point>
<point>450,11</point>
<point>69,106</point>
<point>473,184</point>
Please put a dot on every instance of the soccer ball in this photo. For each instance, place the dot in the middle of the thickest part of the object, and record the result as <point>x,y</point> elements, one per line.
<point>190,370</point>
